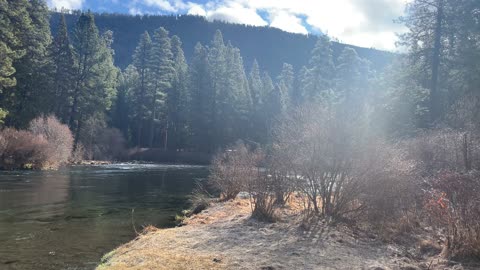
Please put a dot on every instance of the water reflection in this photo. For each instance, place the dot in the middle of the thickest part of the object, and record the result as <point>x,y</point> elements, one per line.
<point>68,219</point>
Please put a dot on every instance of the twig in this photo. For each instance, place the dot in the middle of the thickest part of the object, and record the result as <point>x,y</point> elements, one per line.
<point>133,223</point>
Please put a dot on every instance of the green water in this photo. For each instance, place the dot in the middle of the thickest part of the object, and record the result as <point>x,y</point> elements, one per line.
<point>69,218</point>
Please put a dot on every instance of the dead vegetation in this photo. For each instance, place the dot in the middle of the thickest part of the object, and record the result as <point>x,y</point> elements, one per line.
<point>47,144</point>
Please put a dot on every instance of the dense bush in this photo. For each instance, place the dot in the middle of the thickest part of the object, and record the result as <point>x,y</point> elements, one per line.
<point>47,145</point>
<point>21,149</point>
<point>58,136</point>
<point>449,161</point>
<point>454,204</point>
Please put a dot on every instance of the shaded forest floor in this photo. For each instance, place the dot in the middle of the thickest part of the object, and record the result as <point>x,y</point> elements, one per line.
<point>225,237</point>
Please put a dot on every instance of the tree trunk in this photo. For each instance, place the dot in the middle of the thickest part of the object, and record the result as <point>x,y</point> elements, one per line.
<point>435,102</point>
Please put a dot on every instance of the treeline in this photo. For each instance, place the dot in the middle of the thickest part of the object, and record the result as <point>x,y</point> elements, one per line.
<point>158,100</point>
<point>270,46</point>
<point>212,102</point>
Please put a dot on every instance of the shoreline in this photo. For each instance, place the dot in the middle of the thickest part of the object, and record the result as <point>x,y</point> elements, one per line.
<point>225,237</point>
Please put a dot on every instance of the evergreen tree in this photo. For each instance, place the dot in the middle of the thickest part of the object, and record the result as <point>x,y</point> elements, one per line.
<point>287,81</point>
<point>161,66</point>
<point>255,83</point>
<point>428,40</point>
<point>269,108</point>
<point>63,62</point>
<point>321,70</point>
<point>140,62</point>
<point>30,96</point>
<point>123,114</point>
<point>13,19</point>
<point>257,94</point>
<point>202,101</point>
<point>177,98</point>
<point>95,76</point>
<point>349,77</point>
<point>217,67</point>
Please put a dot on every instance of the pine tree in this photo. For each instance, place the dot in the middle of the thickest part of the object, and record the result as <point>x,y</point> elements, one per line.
<point>63,62</point>
<point>13,17</point>
<point>428,39</point>
<point>178,98</point>
<point>95,76</point>
<point>29,97</point>
<point>161,66</point>
<point>287,80</point>
<point>352,79</point>
<point>269,108</point>
<point>217,67</point>
<point>321,70</point>
<point>257,112</point>
<point>140,62</point>
<point>201,102</point>
<point>123,114</point>
<point>255,83</point>
<point>10,41</point>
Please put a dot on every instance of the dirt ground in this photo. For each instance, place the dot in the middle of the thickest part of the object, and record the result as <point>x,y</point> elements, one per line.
<point>225,237</point>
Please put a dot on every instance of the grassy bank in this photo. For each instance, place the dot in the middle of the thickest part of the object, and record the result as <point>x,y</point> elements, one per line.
<point>225,237</point>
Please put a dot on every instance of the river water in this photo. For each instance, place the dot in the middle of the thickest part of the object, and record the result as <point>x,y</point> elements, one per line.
<point>68,219</point>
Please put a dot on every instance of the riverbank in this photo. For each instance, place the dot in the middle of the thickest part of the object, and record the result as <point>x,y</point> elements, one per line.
<point>225,237</point>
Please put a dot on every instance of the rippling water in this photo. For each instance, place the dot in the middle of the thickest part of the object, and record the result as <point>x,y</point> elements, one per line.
<point>68,219</point>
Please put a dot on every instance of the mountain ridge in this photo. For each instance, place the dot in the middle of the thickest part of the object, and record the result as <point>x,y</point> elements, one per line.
<point>270,46</point>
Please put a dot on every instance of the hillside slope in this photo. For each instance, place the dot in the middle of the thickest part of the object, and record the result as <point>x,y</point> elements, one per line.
<point>270,46</point>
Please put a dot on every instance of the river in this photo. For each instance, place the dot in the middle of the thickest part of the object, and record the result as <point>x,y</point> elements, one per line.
<point>68,219</point>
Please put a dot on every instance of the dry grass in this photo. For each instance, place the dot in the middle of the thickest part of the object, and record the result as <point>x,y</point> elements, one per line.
<point>146,252</point>
<point>225,237</point>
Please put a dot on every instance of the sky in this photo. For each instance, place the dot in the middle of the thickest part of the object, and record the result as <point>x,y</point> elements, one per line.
<point>365,23</point>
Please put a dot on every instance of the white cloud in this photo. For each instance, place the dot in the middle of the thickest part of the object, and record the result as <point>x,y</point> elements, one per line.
<point>68,4</point>
<point>135,11</point>
<point>161,4</point>
<point>236,13</point>
<point>367,23</point>
<point>197,10</point>
<point>287,22</point>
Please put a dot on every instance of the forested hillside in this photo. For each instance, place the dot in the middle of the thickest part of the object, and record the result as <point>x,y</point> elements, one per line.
<point>188,84</point>
<point>270,46</point>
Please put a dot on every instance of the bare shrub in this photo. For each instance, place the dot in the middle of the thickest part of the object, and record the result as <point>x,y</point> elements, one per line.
<point>22,149</point>
<point>454,204</point>
<point>445,149</point>
<point>101,142</point>
<point>239,169</point>
<point>389,188</point>
<point>58,136</point>
<point>78,154</point>
<point>318,147</point>
<point>340,167</point>
<point>278,167</point>
<point>231,170</point>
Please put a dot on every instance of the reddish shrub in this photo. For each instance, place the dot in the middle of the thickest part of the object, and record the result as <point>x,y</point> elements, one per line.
<point>58,136</point>
<point>22,149</point>
<point>454,204</point>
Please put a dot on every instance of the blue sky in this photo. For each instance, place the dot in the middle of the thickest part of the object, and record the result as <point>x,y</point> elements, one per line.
<point>366,23</point>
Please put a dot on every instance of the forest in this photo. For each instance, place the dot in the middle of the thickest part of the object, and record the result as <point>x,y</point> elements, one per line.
<point>347,120</point>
